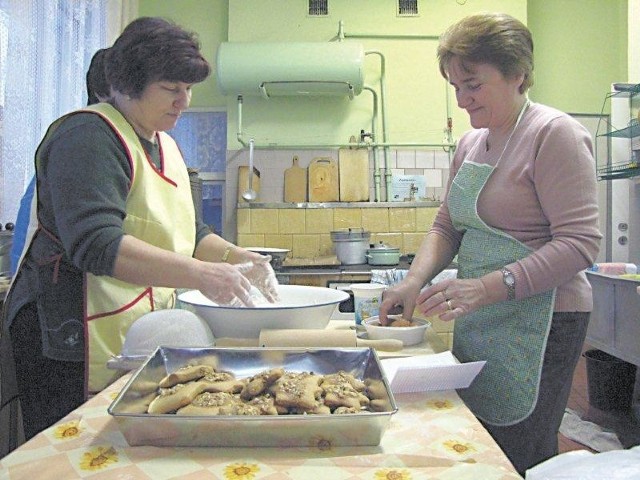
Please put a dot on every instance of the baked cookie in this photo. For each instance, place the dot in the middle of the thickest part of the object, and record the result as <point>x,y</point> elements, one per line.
<point>185,374</point>
<point>343,395</point>
<point>401,322</point>
<point>264,403</point>
<point>343,410</point>
<point>208,403</point>
<point>259,383</point>
<point>173,398</point>
<point>342,377</point>
<point>221,382</point>
<point>298,390</point>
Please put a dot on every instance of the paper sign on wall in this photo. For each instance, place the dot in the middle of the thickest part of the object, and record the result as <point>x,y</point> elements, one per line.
<point>408,188</point>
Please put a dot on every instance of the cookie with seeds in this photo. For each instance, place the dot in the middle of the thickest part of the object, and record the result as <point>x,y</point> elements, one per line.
<point>259,383</point>
<point>221,382</point>
<point>185,374</point>
<point>298,390</point>
<point>208,403</point>
<point>173,398</point>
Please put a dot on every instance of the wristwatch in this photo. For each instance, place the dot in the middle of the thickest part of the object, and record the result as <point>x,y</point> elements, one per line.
<point>510,281</point>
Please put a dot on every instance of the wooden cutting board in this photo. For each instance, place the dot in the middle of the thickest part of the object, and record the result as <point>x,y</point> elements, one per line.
<point>295,183</point>
<point>323,180</point>
<point>353,164</point>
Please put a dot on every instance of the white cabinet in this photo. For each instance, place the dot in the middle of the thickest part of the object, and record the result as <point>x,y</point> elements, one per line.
<point>615,320</point>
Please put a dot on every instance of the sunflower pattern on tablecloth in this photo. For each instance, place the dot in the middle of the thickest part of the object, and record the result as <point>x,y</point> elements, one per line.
<point>241,471</point>
<point>98,458</point>
<point>440,404</point>
<point>68,430</point>
<point>393,474</point>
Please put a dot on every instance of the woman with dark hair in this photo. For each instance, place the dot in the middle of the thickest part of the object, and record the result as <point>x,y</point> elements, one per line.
<point>98,88</point>
<point>521,215</point>
<point>117,228</point>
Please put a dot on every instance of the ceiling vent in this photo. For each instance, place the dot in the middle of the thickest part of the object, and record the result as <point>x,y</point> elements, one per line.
<point>407,8</point>
<point>318,8</point>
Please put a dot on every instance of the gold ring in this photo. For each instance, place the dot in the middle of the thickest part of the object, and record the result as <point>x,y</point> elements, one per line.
<point>449,304</point>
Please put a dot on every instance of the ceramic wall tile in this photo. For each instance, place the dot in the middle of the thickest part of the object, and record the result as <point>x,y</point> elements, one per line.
<point>318,220</point>
<point>278,241</point>
<point>393,240</point>
<point>375,219</point>
<point>442,160</point>
<point>406,159</point>
<point>425,218</point>
<point>244,220</point>
<point>291,220</point>
<point>250,240</point>
<point>433,177</point>
<point>347,218</point>
<point>264,220</point>
<point>402,220</point>
<point>411,242</point>
<point>425,159</point>
<point>326,245</point>
<point>305,246</point>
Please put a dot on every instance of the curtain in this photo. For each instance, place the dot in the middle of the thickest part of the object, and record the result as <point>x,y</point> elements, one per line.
<point>45,50</point>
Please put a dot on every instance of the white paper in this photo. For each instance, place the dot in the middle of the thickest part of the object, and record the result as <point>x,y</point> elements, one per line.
<point>423,373</point>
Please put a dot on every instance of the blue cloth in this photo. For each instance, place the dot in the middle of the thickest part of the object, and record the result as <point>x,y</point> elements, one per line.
<point>22,224</point>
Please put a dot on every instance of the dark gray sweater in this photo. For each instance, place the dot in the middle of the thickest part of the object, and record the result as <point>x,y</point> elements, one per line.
<point>82,183</point>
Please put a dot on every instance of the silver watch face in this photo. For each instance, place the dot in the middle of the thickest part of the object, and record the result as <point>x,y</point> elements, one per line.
<point>509,279</point>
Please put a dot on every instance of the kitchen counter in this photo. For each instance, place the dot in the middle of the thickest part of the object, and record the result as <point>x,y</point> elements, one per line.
<point>433,435</point>
<point>310,205</point>
<point>333,270</point>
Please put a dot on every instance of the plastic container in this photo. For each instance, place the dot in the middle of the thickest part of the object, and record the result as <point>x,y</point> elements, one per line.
<point>610,381</point>
<point>366,300</point>
<point>614,268</point>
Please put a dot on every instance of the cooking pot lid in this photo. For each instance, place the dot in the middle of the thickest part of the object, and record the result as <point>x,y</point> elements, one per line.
<point>350,234</point>
<point>381,247</point>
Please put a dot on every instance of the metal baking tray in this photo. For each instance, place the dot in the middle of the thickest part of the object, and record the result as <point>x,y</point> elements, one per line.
<point>140,428</point>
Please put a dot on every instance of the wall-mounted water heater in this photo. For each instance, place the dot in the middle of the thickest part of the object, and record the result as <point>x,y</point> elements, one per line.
<point>290,69</point>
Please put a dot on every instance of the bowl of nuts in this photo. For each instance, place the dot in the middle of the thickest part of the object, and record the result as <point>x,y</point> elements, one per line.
<point>410,332</point>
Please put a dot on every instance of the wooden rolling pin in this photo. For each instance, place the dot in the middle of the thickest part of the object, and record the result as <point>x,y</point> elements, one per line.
<point>323,338</point>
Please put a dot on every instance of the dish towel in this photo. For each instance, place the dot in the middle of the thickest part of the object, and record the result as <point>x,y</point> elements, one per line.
<point>588,433</point>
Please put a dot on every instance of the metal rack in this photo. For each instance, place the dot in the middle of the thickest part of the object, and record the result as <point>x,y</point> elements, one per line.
<point>629,167</point>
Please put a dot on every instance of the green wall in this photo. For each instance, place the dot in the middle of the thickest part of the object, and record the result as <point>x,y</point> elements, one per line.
<point>580,49</point>
<point>209,19</point>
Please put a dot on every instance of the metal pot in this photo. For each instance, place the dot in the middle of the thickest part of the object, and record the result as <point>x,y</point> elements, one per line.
<point>382,254</point>
<point>351,245</point>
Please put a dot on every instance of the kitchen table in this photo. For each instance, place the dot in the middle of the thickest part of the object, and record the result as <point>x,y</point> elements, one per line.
<point>433,435</point>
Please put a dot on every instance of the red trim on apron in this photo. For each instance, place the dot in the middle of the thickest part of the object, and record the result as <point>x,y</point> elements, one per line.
<point>147,292</point>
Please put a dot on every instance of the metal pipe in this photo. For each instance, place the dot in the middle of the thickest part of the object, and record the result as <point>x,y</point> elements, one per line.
<point>341,31</point>
<point>239,125</point>
<point>376,166</point>
<point>389,36</point>
<point>387,166</point>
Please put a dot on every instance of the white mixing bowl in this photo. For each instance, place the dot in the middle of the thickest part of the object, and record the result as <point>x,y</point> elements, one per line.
<point>408,335</point>
<point>299,307</point>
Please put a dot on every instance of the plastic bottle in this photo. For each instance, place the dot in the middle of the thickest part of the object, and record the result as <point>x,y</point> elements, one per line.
<point>618,268</point>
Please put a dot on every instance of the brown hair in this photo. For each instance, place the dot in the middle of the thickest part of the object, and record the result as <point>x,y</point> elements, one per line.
<point>497,39</point>
<point>152,49</point>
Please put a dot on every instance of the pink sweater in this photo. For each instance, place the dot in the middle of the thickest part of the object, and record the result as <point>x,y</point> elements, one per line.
<point>543,194</point>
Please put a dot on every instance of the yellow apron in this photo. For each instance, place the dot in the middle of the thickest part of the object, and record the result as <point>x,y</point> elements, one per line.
<point>159,211</point>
